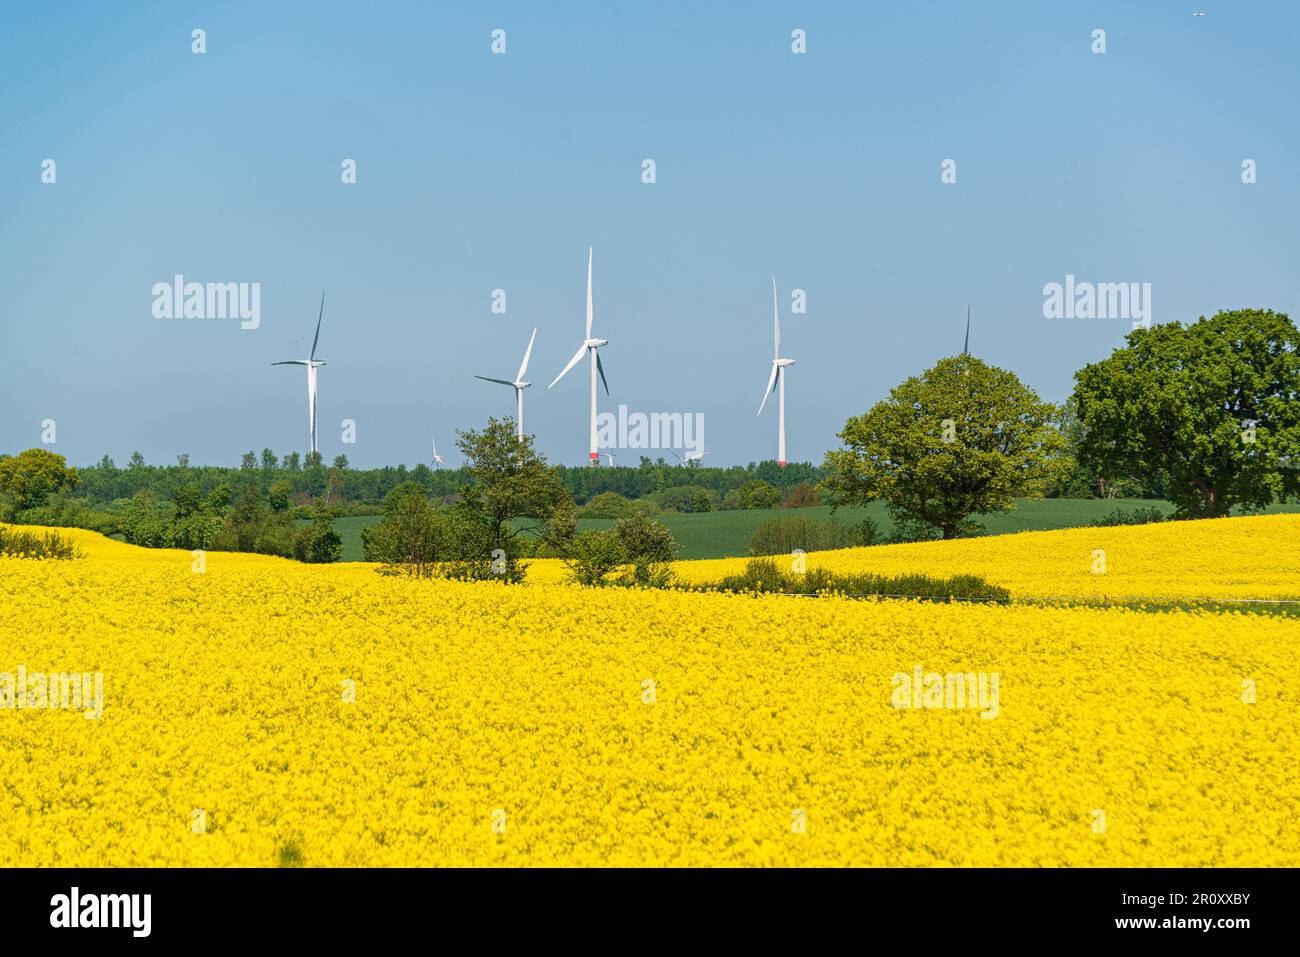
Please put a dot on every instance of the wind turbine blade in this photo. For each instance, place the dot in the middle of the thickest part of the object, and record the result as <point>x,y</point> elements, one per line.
<point>601,369</point>
<point>776,321</point>
<point>523,366</point>
<point>577,357</point>
<point>318,319</point>
<point>589,310</point>
<point>965,350</point>
<point>502,381</point>
<point>771,384</point>
<point>291,362</point>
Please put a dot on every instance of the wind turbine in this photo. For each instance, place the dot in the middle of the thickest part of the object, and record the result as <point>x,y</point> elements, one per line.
<point>590,346</point>
<point>438,460</point>
<point>519,385</point>
<point>312,364</point>
<point>692,457</point>
<point>777,380</point>
<point>965,350</point>
<point>610,457</point>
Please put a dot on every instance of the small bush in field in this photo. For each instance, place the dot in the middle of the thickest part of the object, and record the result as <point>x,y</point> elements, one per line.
<point>22,544</point>
<point>765,575</point>
<point>1138,516</point>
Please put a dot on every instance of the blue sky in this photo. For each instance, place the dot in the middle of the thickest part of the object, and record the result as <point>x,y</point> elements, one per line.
<point>478,172</point>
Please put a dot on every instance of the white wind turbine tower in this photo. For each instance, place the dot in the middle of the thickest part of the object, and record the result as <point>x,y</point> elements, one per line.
<point>519,385</point>
<point>777,380</point>
<point>438,460</point>
<point>590,346</point>
<point>312,364</point>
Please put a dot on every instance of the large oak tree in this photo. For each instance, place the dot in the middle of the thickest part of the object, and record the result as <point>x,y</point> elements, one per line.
<point>961,439</point>
<point>1215,405</point>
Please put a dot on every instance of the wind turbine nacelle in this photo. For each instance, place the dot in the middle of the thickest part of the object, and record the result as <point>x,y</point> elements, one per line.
<point>783,362</point>
<point>595,343</point>
<point>522,385</point>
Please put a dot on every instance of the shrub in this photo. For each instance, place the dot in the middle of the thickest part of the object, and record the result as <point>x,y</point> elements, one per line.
<point>23,544</point>
<point>198,530</point>
<point>803,495</point>
<point>1138,516</point>
<point>594,556</point>
<point>319,543</point>
<point>279,495</point>
<point>649,508</point>
<point>608,505</point>
<point>755,493</point>
<point>649,547</point>
<point>763,575</point>
<point>684,498</point>
<point>780,536</point>
<point>643,546</point>
<point>411,538</point>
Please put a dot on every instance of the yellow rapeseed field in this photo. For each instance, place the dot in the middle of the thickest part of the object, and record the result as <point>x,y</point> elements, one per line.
<point>1256,557</point>
<point>262,712</point>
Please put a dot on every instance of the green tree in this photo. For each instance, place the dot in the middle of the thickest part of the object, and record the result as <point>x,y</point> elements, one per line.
<point>31,477</point>
<point>279,495</point>
<point>961,439</point>
<point>1214,406</point>
<point>136,461</point>
<point>755,493</point>
<point>243,524</point>
<point>636,541</point>
<point>412,537</point>
<point>511,481</point>
<point>649,547</point>
<point>594,556</point>
<point>187,498</point>
<point>319,543</point>
<point>219,498</point>
<point>268,459</point>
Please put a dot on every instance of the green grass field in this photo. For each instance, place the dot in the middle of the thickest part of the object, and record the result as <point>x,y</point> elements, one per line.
<point>725,534</point>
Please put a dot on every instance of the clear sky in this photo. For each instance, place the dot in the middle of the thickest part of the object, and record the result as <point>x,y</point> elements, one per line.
<point>478,171</point>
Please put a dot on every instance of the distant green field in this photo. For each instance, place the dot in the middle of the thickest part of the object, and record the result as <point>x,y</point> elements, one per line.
<point>725,534</point>
<point>349,530</point>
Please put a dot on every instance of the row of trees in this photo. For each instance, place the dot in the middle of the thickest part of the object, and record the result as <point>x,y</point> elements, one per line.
<point>1208,413</point>
<point>104,483</point>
